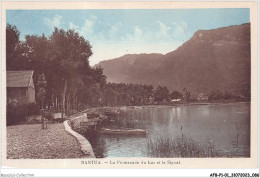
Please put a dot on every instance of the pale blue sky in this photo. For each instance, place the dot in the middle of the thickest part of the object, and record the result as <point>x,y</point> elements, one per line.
<point>113,33</point>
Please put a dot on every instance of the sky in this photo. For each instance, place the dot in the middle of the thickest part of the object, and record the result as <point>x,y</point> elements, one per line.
<point>114,33</point>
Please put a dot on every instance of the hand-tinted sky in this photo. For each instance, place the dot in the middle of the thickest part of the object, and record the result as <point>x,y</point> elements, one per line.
<point>113,33</point>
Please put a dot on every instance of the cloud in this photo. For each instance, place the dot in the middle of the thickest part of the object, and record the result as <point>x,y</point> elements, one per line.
<point>73,26</point>
<point>92,17</point>
<point>159,38</point>
<point>113,31</point>
<point>54,22</point>
<point>88,28</point>
<point>137,35</point>
<point>158,32</point>
<point>114,40</point>
<point>180,30</point>
<point>163,30</point>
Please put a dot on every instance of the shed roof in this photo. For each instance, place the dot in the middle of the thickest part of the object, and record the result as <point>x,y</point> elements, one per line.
<point>18,78</point>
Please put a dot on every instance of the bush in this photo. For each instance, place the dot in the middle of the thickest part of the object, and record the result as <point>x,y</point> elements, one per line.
<point>47,114</point>
<point>18,113</point>
<point>30,109</point>
<point>13,115</point>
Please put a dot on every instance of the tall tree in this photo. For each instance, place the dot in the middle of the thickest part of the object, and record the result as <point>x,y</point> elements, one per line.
<point>41,91</point>
<point>110,97</point>
<point>186,95</point>
<point>12,42</point>
<point>37,50</point>
<point>72,53</point>
<point>176,95</point>
<point>161,93</point>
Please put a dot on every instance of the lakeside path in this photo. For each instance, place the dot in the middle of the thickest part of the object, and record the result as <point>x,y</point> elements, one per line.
<point>32,142</point>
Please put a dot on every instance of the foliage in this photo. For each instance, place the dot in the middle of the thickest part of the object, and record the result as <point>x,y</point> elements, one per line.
<point>71,52</point>
<point>18,113</point>
<point>186,95</point>
<point>227,95</point>
<point>161,93</point>
<point>176,95</point>
<point>13,115</point>
<point>30,109</point>
<point>12,42</point>
<point>12,35</point>
<point>110,97</point>
<point>47,114</point>
<point>62,57</point>
<point>216,95</point>
<point>127,94</point>
<point>41,85</point>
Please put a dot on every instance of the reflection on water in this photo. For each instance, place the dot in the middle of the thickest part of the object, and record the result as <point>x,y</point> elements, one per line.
<point>228,125</point>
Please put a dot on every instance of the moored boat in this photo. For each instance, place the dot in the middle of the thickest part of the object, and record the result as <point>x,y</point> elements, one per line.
<point>123,131</point>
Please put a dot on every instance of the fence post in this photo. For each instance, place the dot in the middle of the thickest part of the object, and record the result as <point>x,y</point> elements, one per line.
<point>42,122</point>
<point>46,123</point>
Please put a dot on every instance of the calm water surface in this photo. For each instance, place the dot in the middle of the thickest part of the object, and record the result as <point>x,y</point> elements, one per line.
<point>226,124</point>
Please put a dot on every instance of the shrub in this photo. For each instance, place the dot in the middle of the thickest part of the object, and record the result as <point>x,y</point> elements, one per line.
<point>47,114</point>
<point>18,113</point>
<point>13,115</point>
<point>30,109</point>
<point>60,120</point>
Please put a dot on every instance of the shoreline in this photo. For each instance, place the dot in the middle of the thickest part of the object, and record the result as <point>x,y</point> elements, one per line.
<point>98,108</point>
<point>85,145</point>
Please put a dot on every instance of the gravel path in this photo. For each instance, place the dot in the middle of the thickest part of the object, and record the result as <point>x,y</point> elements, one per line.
<point>31,142</point>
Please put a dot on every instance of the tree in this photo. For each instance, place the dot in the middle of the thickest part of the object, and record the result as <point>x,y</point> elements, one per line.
<point>37,52</point>
<point>161,93</point>
<point>41,85</point>
<point>176,95</point>
<point>216,95</point>
<point>110,97</point>
<point>12,42</point>
<point>227,95</point>
<point>186,95</point>
<point>98,76</point>
<point>63,58</point>
<point>71,52</point>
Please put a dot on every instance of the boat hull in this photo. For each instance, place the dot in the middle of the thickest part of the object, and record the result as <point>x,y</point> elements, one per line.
<point>123,131</point>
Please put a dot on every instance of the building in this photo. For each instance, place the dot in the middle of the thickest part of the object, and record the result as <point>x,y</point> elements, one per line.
<point>20,86</point>
<point>176,100</point>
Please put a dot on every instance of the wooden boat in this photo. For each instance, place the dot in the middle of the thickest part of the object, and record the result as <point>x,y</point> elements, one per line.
<point>123,131</point>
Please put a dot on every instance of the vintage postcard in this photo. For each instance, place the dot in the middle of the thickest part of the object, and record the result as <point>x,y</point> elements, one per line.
<point>129,85</point>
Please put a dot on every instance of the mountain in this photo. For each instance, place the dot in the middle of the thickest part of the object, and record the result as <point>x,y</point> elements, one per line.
<point>217,59</point>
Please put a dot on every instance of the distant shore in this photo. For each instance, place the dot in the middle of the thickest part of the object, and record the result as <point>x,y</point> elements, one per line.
<point>100,108</point>
<point>208,103</point>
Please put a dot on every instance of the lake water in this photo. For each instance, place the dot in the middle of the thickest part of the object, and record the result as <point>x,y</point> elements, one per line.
<point>225,126</point>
